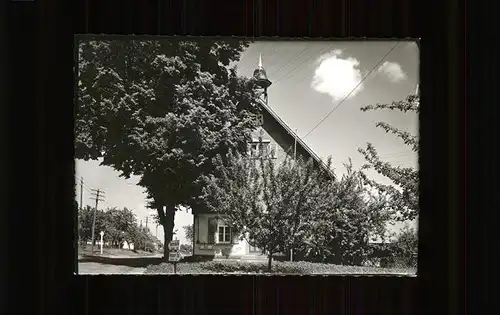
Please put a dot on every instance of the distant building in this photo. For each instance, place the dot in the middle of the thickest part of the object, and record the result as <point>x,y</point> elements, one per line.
<point>127,245</point>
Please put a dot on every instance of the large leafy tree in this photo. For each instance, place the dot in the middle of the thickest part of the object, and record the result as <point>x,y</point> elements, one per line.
<point>120,223</point>
<point>268,204</point>
<point>342,224</point>
<point>142,238</point>
<point>161,109</point>
<point>188,232</point>
<point>404,201</point>
<point>295,205</point>
<point>86,219</point>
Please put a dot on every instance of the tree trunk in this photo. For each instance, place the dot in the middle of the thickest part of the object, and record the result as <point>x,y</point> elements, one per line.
<point>167,221</point>
<point>269,261</point>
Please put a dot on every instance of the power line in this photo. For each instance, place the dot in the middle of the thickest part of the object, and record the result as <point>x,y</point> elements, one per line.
<point>87,188</point>
<point>322,50</point>
<point>398,154</point>
<point>281,68</point>
<point>267,53</point>
<point>289,75</point>
<point>366,76</point>
<point>252,67</point>
<point>83,186</point>
<point>85,183</point>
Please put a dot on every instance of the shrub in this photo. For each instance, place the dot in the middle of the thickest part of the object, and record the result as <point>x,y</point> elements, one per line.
<point>259,268</point>
<point>186,248</point>
<point>226,252</point>
<point>341,227</point>
<point>249,267</point>
<point>197,258</point>
<point>234,266</point>
<point>182,268</point>
<point>404,249</point>
<point>290,267</point>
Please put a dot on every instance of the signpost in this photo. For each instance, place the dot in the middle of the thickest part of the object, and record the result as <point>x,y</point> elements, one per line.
<point>174,245</point>
<point>174,255</point>
<point>102,235</point>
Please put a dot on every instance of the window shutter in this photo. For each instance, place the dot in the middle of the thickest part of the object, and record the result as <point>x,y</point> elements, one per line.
<point>234,236</point>
<point>227,234</point>
<point>212,229</point>
<point>196,231</point>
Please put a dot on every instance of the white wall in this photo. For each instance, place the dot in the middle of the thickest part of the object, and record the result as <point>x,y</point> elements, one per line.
<point>239,247</point>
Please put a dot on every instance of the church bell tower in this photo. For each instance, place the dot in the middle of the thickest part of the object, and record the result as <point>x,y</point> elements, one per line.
<point>261,81</point>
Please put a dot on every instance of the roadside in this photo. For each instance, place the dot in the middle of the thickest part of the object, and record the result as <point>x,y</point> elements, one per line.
<point>94,268</point>
<point>113,252</point>
<point>122,260</point>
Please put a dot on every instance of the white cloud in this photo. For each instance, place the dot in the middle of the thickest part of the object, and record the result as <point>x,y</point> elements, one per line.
<point>393,71</point>
<point>337,76</point>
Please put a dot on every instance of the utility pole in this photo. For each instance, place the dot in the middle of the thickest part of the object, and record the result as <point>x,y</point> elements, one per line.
<point>147,222</point>
<point>294,160</point>
<point>81,208</point>
<point>81,193</point>
<point>156,231</point>
<point>98,196</point>
<point>295,147</point>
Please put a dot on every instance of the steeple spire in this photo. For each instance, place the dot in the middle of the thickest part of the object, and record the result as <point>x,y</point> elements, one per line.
<point>261,81</point>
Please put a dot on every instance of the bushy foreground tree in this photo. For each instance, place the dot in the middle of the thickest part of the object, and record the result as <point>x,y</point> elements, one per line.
<point>161,110</point>
<point>188,232</point>
<point>405,249</point>
<point>296,205</point>
<point>341,226</point>
<point>403,202</point>
<point>267,204</point>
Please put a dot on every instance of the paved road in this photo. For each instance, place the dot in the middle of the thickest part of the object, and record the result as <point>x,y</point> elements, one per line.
<point>98,268</point>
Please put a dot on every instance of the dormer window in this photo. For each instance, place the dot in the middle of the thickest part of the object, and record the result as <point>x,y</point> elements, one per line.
<point>253,150</point>
<point>260,119</point>
<point>265,148</point>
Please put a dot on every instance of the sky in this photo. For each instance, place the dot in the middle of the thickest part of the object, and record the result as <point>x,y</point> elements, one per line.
<point>309,79</point>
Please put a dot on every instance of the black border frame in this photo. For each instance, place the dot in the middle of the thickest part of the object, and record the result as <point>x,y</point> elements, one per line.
<point>40,190</point>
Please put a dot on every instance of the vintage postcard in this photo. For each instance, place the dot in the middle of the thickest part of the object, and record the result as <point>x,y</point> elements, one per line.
<point>246,156</point>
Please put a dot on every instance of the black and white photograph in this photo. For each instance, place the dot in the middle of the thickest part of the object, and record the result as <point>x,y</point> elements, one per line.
<point>214,155</point>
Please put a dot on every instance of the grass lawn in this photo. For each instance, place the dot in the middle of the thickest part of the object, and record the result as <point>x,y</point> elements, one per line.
<point>235,267</point>
<point>111,251</point>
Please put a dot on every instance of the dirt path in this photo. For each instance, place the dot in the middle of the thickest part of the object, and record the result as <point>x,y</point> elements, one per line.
<point>85,268</point>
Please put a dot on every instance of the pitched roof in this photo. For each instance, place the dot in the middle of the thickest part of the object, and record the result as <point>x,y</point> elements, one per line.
<point>294,135</point>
